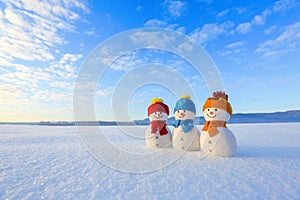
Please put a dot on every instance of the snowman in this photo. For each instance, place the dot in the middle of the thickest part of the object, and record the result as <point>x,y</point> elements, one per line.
<point>216,139</point>
<point>157,134</point>
<point>185,135</point>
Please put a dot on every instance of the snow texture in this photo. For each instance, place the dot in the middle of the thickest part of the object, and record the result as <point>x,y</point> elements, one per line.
<point>222,144</point>
<point>156,140</point>
<point>46,162</point>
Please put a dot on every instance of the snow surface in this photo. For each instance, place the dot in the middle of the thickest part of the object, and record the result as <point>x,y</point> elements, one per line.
<point>47,162</point>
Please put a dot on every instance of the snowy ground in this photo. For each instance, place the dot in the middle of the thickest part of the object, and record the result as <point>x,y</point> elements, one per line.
<point>44,162</point>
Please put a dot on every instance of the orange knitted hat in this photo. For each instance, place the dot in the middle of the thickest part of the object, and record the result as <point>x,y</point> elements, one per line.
<point>218,100</point>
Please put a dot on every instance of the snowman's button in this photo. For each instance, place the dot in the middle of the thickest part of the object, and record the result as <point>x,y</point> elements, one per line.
<point>210,150</point>
<point>181,139</point>
<point>209,142</point>
<point>182,148</point>
<point>156,137</point>
<point>157,145</point>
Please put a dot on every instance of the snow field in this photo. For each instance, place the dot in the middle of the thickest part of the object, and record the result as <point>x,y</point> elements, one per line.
<point>47,162</point>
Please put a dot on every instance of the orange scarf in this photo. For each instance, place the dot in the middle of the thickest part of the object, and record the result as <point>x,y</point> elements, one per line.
<point>211,127</point>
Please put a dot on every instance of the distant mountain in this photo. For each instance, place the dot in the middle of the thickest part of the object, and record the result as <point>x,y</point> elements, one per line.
<point>288,116</point>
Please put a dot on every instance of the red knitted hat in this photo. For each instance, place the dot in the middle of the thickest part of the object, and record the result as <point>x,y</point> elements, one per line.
<point>157,105</point>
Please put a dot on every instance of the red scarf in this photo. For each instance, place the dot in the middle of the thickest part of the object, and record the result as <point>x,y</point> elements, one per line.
<point>160,125</point>
<point>211,127</point>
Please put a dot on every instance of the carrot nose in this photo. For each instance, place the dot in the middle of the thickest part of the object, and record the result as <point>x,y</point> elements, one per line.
<point>211,113</point>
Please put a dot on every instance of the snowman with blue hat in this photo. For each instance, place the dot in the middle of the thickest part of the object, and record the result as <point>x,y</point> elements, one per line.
<point>185,135</point>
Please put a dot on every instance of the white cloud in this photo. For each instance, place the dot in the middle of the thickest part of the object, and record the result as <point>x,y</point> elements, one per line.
<point>211,31</point>
<point>232,49</point>
<point>284,5</point>
<point>235,45</point>
<point>287,41</point>
<point>270,30</point>
<point>103,93</point>
<point>61,84</point>
<point>203,35</point>
<point>43,76</point>
<point>240,10</point>
<point>186,46</point>
<point>90,32</point>
<point>14,97</point>
<point>60,97</point>
<point>281,6</point>
<point>222,13</point>
<point>176,8</point>
<point>236,10</point>
<point>244,27</point>
<point>15,18</point>
<point>65,68</point>
<point>155,23</point>
<point>258,20</point>
<point>127,62</point>
<point>27,86</point>
<point>152,39</point>
<point>70,58</point>
<point>23,77</point>
<point>41,95</point>
<point>163,24</point>
<point>30,29</point>
<point>136,102</point>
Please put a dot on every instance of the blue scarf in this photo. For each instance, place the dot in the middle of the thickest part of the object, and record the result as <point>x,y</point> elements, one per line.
<point>186,125</point>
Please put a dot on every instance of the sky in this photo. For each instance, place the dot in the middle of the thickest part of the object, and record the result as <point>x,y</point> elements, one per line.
<point>255,46</point>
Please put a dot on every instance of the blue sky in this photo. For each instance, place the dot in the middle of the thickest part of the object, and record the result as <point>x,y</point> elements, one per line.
<point>254,44</point>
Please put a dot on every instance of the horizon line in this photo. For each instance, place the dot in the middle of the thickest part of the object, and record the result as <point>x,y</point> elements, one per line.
<point>99,120</point>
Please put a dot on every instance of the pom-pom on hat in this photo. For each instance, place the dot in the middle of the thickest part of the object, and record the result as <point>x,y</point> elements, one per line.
<point>218,100</point>
<point>185,103</point>
<point>157,105</point>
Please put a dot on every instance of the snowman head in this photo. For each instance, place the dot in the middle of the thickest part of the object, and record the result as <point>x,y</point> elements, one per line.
<point>217,107</point>
<point>158,110</point>
<point>158,116</point>
<point>184,108</point>
<point>213,114</point>
<point>184,114</point>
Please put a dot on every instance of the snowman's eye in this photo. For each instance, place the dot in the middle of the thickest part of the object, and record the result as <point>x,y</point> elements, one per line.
<point>155,112</point>
<point>216,109</point>
<point>178,111</point>
<point>207,109</point>
<point>184,111</point>
<point>160,112</point>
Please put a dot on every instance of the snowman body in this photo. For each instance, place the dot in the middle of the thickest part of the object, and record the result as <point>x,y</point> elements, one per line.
<point>218,140</point>
<point>182,139</point>
<point>155,137</point>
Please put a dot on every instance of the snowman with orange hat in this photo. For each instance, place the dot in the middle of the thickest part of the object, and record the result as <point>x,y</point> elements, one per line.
<point>216,139</point>
<point>158,135</point>
<point>185,135</point>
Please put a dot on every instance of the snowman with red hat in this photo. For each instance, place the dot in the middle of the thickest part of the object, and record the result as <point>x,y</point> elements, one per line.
<point>158,135</point>
<point>216,139</point>
<point>185,135</point>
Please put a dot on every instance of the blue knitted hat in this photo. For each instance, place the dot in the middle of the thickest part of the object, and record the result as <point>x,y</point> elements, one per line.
<point>185,103</point>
